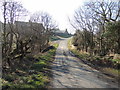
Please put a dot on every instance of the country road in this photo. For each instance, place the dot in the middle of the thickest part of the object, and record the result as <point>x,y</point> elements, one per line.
<point>70,72</point>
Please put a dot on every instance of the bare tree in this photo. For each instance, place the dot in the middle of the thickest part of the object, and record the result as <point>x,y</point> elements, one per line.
<point>11,12</point>
<point>49,24</point>
<point>107,10</point>
<point>104,12</point>
<point>87,24</point>
<point>93,18</point>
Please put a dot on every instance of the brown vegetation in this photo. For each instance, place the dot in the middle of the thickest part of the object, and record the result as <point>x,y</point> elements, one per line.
<point>19,38</point>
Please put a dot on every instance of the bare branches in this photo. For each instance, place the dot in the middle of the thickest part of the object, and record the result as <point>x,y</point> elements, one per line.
<point>93,18</point>
<point>45,19</point>
<point>48,23</point>
<point>107,10</point>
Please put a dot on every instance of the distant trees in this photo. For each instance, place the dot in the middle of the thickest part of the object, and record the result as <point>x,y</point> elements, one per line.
<point>97,26</point>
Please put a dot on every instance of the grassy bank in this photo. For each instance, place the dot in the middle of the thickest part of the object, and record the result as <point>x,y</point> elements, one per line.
<point>35,73</point>
<point>104,64</point>
<point>54,38</point>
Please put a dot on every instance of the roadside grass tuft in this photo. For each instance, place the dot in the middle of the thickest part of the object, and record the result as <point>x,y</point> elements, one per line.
<point>112,71</point>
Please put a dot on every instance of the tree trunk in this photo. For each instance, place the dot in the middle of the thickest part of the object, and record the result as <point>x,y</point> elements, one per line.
<point>118,41</point>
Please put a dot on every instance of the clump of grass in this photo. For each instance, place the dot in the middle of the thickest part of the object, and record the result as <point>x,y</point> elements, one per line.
<point>113,72</point>
<point>79,54</point>
<point>116,60</point>
<point>55,45</point>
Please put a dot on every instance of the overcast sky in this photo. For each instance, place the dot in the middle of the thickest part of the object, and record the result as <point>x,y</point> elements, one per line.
<point>60,10</point>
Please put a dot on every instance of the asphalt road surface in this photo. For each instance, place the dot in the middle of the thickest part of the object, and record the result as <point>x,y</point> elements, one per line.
<point>70,72</point>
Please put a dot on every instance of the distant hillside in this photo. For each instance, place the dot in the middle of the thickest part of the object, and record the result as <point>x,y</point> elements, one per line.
<point>63,34</point>
<point>58,34</point>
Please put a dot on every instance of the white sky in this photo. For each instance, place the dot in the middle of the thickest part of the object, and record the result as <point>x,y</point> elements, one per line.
<point>60,10</point>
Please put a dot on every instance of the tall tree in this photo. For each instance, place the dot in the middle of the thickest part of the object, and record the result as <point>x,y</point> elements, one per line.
<point>12,11</point>
<point>93,18</point>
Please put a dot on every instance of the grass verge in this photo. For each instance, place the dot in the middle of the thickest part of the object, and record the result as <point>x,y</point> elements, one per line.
<point>54,38</point>
<point>35,73</point>
<point>106,65</point>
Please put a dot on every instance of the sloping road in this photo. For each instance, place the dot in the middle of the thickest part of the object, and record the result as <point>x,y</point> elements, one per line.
<point>70,72</point>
